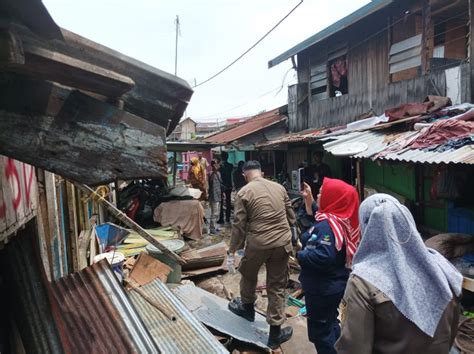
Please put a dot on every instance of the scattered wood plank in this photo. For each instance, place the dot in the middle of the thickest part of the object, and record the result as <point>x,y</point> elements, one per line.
<point>146,269</point>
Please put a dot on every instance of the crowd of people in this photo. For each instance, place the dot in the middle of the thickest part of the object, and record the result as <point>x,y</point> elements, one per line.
<point>367,260</point>
<point>217,187</point>
<point>370,283</point>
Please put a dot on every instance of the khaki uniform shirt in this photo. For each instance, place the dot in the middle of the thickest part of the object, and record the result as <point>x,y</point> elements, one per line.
<point>372,324</point>
<point>262,216</point>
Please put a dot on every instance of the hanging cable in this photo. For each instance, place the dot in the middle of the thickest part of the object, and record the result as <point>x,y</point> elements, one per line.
<point>248,50</point>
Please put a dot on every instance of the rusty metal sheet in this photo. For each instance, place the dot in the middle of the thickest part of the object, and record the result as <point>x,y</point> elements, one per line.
<point>25,293</point>
<point>378,142</point>
<point>185,335</point>
<point>89,141</point>
<point>250,126</point>
<point>212,310</point>
<point>98,315</point>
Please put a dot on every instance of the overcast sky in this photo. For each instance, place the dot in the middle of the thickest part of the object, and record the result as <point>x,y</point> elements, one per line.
<point>213,33</point>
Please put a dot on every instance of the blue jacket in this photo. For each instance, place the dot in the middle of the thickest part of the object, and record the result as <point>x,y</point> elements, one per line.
<point>323,270</point>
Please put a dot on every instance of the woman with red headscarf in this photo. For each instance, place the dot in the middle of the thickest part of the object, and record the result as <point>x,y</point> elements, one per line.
<point>326,256</point>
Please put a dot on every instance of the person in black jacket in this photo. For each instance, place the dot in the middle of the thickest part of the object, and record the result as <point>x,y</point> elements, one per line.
<point>238,176</point>
<point>226,175</point>
<point>325,258</point>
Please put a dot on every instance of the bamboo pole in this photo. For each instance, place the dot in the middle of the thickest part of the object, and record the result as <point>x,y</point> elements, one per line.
<point>130,223</point>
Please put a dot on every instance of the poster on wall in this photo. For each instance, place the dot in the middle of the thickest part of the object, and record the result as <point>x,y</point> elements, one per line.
<point>18,196</point>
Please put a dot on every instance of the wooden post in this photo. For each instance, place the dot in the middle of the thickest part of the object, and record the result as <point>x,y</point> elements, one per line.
<point>53,219</point>
<point>427,37</point>
<point>73,225</point>
<point>130,223</point>
<point>360,178</point>
<point>175,167</point>
<point>43,221</point>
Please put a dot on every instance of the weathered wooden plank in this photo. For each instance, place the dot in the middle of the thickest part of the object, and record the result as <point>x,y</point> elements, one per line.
<point>53,221</point>
<point>49,65</point>
<point>157,96</point>
<point>88,141</point>
<point>73,231</point>
<point>43,221</point>
<point>11,50</point>
<point>405,44</point>
<point>18,203</point>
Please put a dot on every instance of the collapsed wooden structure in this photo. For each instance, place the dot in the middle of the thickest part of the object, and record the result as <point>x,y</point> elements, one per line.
<point>77,108</point>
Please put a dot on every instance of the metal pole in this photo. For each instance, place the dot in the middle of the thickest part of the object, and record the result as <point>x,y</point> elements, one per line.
<point>176,47</point>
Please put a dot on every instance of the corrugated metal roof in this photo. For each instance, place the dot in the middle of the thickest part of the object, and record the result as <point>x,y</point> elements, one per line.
<point>292,138</point>
<point>98,315</point>
<point>185,335</point>
<point>213,312</point>
<point>364,11</point>
<point>379,141</point>
<point>250,126</point>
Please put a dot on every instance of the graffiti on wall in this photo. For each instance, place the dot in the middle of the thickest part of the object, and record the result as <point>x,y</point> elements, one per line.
<point>17,195</point>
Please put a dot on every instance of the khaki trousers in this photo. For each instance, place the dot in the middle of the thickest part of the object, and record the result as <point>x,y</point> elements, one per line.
<point>276,262</point>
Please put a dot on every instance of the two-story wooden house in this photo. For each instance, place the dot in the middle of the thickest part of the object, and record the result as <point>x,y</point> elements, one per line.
<point>387,53</point>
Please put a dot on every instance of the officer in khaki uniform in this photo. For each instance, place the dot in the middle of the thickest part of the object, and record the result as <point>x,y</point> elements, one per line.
<point>263,215</point>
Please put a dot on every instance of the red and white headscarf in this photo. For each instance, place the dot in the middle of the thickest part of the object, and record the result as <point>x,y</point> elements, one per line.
<point>339,205</point>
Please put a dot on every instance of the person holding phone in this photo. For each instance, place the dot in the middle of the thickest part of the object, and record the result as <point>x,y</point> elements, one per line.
<point>326,256</point>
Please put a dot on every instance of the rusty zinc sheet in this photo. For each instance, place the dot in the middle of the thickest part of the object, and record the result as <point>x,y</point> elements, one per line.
<point>250,126</point>
<point>98,315</point>
<point>185,335</point>
<point>212,310</point>
<point>380,142</point>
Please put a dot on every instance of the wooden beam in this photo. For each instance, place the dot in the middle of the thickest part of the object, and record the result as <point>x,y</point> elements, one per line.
<point>52,66</point>
<point>73,233</point>
<point>427,41</point>
<point>49,65</point>
<point>88,141</point>
<point>53,220</point>
<point>130,223</point>
<point>43,222</point>
<point>157,96</point>
<point>11,50</point>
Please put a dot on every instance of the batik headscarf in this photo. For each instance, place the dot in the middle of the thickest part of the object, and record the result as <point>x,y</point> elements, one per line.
<point>196,168</point>
<point>393,258</point>
<point>339,205</point>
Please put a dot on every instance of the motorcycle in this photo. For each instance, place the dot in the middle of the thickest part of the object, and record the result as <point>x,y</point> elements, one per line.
<point>139,199</point>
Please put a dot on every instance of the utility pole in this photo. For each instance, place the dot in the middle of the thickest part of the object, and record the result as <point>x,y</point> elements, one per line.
<point>176,46</point>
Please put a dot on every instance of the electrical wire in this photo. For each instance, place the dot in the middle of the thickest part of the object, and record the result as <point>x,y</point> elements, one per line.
<point>246,103</point>
<point>248,50</point>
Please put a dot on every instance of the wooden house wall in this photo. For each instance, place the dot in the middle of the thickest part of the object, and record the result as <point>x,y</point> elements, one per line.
<point>370,90</point>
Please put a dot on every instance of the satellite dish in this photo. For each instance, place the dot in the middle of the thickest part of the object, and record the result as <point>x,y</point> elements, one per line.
<point>349,149</point>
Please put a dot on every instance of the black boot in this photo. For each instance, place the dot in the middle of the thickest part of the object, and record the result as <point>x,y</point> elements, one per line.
<point>246,311</point>
<point>278,336</point>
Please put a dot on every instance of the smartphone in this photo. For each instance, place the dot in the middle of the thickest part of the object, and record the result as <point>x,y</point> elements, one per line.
<point>301,178</point>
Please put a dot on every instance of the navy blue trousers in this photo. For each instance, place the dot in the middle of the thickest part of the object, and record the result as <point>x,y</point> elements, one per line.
<point>323,325</point>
